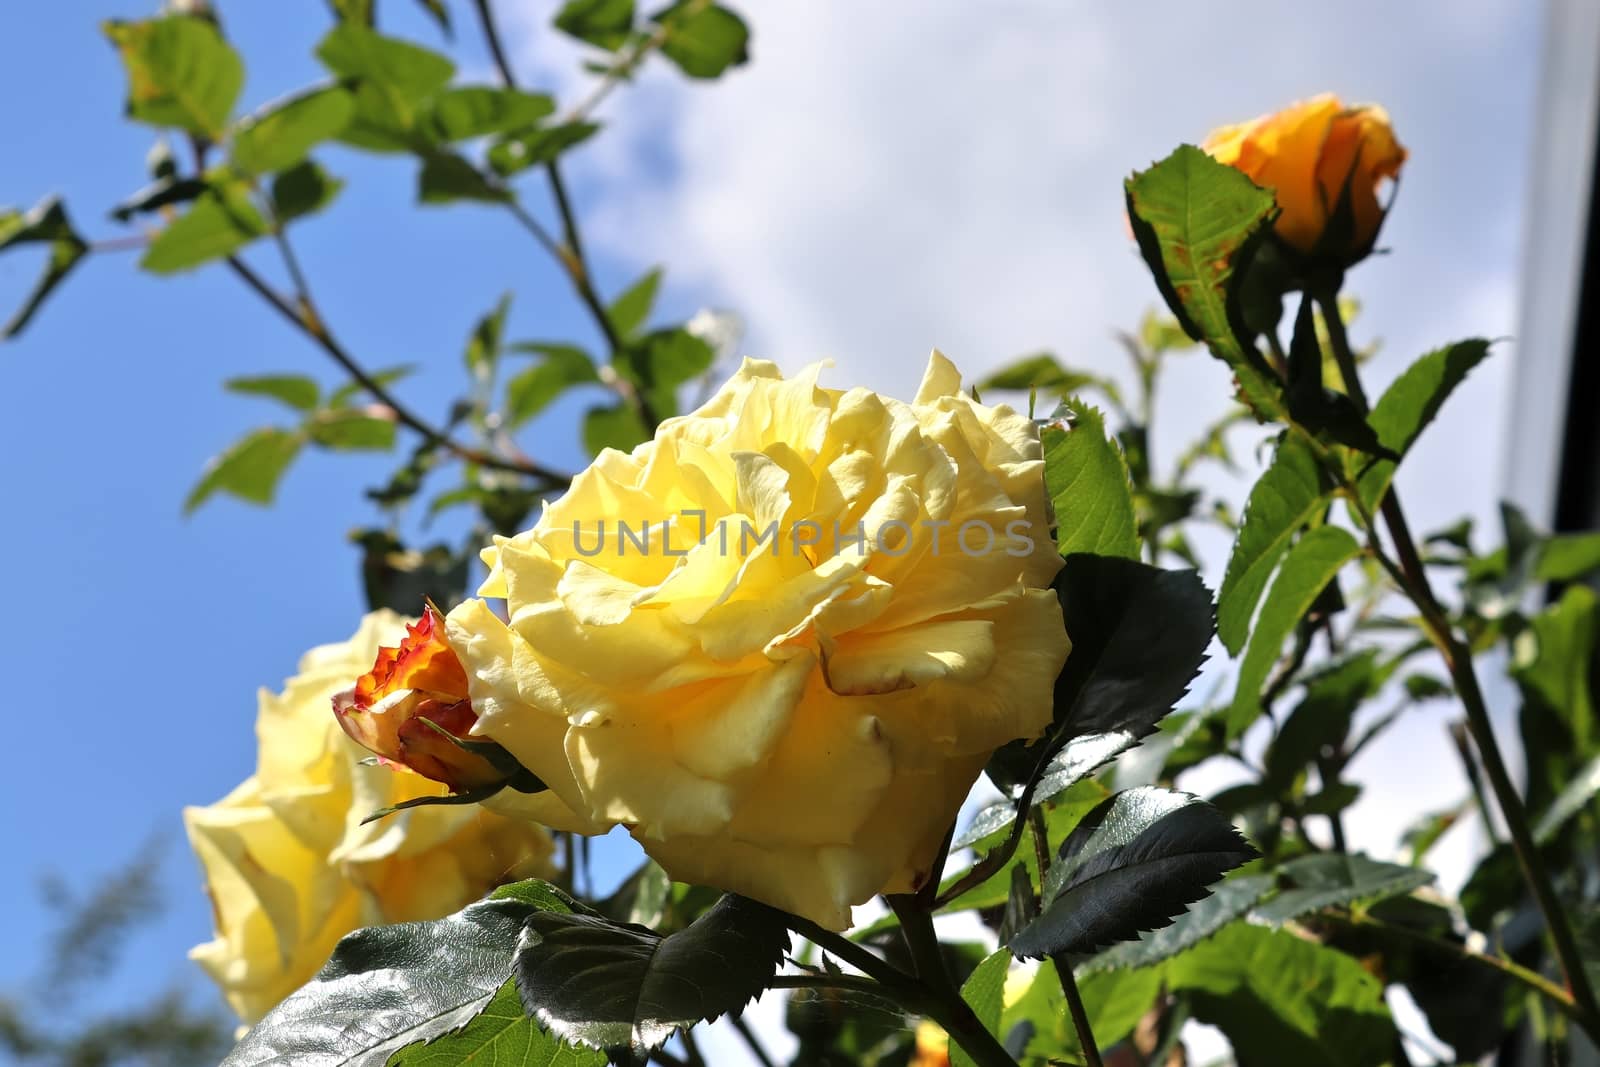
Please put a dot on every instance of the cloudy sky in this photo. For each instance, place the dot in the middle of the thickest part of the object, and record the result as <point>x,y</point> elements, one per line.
<point>883,178</point>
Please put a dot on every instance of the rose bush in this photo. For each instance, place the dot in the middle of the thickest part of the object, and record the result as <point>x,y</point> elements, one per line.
<point>290,868</point>
<point>1313,155</point>
<point>779,641</point>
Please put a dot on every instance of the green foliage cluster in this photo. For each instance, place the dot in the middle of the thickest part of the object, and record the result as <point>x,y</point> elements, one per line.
<point>1137,906</point>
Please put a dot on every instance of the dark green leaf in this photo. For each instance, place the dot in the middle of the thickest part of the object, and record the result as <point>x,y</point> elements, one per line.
<point>1283,1000</point>
<point>1333,879</point>
<point>163,192</point>
<point>531,391</point>
<point>1571,800</point>
<point>603,23</point>
<point>1411,402</point>
<point>1230,900</point>
<point>389,986</point>
<point>303,190</point>
<point>1308,568</point>
<point>1322,718</point>
<point>350,430</point>
<point>1198,223</point>
<point>46,223</point>
<point>629,311</point>
<point>218,224</point>
<point>620,987</point>
<point>446,177</point>
<point>1285,498</point>
<point>399,578</point>
<point>295,390</point>
<point>612,427</point>
<point>249,469</point>
<point>534,148</point>
<point>1551,664</point>
<point>1087,481</point>
<point>1130,866</point>
<point>1329,414</point>
<point>703,39</point>
<point>500,1034</point>
<point>180,72</point>
<point>469,111</point>
<point>982,991</point>
<point>282,134</point>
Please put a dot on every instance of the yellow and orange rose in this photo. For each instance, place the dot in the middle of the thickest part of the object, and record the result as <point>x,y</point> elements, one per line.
<point>778,642</point>
<point>1311,155</point>
<point>289,867</point>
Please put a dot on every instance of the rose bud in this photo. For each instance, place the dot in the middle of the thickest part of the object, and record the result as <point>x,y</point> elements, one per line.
<point>1325,163</point>
<point>412,710</point>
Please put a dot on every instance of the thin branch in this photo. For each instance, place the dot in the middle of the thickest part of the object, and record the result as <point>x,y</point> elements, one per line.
<point>751,1041</point>
<point>1060,961</point>
<point>306,320</point>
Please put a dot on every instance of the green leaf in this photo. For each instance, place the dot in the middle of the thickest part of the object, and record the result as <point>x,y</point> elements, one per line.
<point>1041,371</point>
<point>1198,223</point>
<point>1571,800</point>
<point>703,39</point>
<point>1322,718</point>
<point>165,191</point>
<point>1551,664</point>
<point>302,190</point>
<point>46,223</point>
<point>602,23</point>
<point>390,986</point>
<point>295,390</point>
<point>1280,999</point>
<point>1330,414</point>
<point>1285,498</point>
<point>665,359</point>
<point>180,72</point>
<point>284,133</point>
<point>612,427</point>
<point>1568,557</point>
<point>250,469</point>
<point>500,1034</point>
<point>1308,568</point>
<point>350,430</point>
<point>1077,760</point>
<point>1115,1001</point>
<point>1087,481</point>
<point>1411,402</point>
<point>1333,879</point>
<point>531,391</point>
<point>982,991</point>
<point>485,344</point>
<point>1131,865</point>
<point>465,112</point>
<point>533,148</point>
<point>1230,900</point>
<point>629,311</point>
<point>446,177</point>
<point>623,988</point>
<point>394,79</point>
<point>385,376</point>
<point>218,224</point>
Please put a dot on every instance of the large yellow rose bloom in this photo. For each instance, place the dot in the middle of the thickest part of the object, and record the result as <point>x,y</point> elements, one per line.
<point>788,686</point>
<point>1306,154</point>
<point>288,866</point>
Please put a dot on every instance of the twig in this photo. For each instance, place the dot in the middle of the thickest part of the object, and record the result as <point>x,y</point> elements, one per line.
<point>1060,961</point>
<point>752,1042</point>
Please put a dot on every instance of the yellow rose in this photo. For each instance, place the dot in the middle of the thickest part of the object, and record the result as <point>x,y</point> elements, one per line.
<point>933,1046</point>
<point>288,866</point>
<point>770,705</point>
<point>1308,154</point>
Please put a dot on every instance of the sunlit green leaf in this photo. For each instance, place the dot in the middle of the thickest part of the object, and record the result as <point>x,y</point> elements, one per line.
<point>250,469</point>
<point>1087,481</point>
<point>532,390</point>
<point>1410,404</point>
<point>281,135</point>
<point>393,80</point>
<point>219,223</point>
<point>468,111</point>
<point>616,427</point>
<point>180,72</point>
<point>629,311</point>
<point>502,1033</point>
<point>533,148</point>
<point>982,991</point>
<point>703,39</point>
<point>296,390</point>
<point>303,190</point>
<point>603,23</point>
<point>447,177</point>
<point>349,430</point>
<point>46,224</point>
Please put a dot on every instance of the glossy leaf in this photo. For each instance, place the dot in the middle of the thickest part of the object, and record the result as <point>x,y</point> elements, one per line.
<point>46,224</point>
<point>1198,224</point>
<point>703,39</point>
<point>1087,481</point>
<point>1078,759</point>
<point>1283,500</point>
<point>1308,568</point>
<point>982,992</point>
<point>624,988</point>
<point>389,986</point>
<point>530,391</point>
<point>1411,402</point>
<point>180,72</point>
<point>296,390</point>
<point>468,111</point>
<point>1130,866</point>
<point>500,1034</point>
<point>282,134</point>
<point>1330,879</point>
<point>250,469</point>
<point>1229,900</point>
<point>218,224</point>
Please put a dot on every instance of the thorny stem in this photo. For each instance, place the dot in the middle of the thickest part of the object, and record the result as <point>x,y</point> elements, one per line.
<point>306,318</point>
<point>1457,657</point>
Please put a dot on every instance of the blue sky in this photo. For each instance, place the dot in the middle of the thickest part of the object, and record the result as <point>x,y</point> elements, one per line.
<point>876,183</point>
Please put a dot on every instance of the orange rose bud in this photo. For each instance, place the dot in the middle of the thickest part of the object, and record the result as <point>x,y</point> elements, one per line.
<point>1325,163</point>
<point>933,1046</point>
<point>412,698</point>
